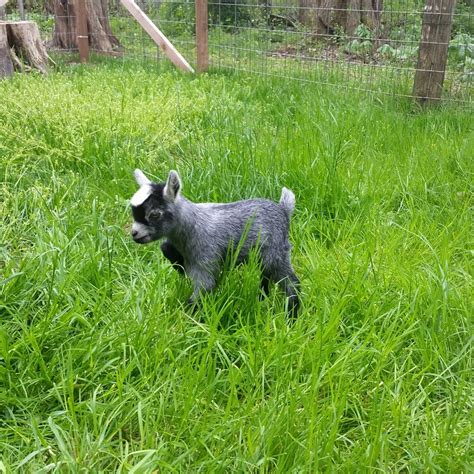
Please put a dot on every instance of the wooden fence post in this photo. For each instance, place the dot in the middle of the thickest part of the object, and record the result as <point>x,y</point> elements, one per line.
<point>82,31</point>
<point>433,50</point>
<point>157,36</point>
<point>202,30</point>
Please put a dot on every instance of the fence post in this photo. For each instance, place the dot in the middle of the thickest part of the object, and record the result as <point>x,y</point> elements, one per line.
<point>433,50</point>
<point>21,10</point>
<point>82,32</point>
<point>202,30</point>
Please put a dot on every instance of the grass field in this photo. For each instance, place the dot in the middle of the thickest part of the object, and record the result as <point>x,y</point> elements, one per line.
<point>103,367</point>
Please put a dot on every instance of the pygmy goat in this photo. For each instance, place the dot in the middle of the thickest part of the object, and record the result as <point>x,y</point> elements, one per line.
<point>199,236</point>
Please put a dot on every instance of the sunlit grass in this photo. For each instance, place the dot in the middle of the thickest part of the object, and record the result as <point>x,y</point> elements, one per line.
<point>102,366</point>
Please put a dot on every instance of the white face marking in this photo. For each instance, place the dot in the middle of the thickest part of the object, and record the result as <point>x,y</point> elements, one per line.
<point>141,195</point>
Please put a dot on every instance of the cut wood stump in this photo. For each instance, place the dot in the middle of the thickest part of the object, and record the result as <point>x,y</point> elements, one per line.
<point>6,64</point>
<point>23,49</point>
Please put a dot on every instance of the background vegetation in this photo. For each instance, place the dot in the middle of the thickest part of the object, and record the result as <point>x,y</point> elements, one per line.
<point>269,36</point>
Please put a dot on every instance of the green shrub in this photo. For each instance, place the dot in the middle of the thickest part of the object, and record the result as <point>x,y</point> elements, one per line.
<point>179,17</point>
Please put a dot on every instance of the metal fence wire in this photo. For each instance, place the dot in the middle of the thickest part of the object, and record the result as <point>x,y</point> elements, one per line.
<point>368,45</point>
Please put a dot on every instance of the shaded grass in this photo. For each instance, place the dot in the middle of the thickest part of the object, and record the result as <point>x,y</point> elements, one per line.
<point>102,367</point>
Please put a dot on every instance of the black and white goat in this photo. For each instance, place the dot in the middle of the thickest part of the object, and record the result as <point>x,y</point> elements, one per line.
<point>200,235</point>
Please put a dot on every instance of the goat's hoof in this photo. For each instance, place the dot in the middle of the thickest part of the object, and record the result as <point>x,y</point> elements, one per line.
<point>193,305</point>
<point>262,295</point>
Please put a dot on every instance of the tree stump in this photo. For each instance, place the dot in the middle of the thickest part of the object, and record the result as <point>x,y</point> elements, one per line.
<point>6,65</point>
<point>23,47</point>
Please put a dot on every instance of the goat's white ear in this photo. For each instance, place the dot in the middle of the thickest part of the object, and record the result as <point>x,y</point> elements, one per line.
<point>140,178</point>
<point>173,185</point>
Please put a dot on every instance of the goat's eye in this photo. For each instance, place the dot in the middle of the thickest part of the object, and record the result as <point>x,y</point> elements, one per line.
<point>156,214</point>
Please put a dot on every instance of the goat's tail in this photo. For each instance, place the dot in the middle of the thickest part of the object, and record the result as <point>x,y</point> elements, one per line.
<point>287,201</point>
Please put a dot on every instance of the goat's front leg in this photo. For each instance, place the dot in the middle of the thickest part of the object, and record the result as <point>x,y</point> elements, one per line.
<point>203,282</point>
<point>173,255</point>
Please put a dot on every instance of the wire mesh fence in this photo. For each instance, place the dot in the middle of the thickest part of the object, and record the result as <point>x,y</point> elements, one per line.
<point>366,45</point>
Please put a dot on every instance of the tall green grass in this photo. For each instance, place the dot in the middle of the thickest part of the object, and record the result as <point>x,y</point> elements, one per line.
<point>102,365</point>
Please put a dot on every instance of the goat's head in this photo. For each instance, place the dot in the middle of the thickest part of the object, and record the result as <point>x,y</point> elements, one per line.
<point>154,207</point>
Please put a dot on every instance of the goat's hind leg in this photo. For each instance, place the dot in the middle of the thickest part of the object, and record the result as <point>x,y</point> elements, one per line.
<point>173,255</point>
<point>289,283</point>
<point>291,286</point>
<point>264,286</point>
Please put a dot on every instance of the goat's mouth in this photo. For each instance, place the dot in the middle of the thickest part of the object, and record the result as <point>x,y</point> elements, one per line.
<point>142,240</point>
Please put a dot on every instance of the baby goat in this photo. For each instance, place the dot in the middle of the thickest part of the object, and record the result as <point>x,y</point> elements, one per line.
<point>199,236</point>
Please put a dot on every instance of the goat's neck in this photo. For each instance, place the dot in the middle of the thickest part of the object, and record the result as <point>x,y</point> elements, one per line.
<point>189,221</point>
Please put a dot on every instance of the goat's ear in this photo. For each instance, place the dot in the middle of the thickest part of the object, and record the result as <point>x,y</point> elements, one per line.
<point>173,186</point>
<point>140,177</point>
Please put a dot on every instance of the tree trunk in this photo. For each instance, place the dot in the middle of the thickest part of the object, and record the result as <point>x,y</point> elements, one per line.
<point>316,14</point>
<point>101,37</point>
<point>23,47</point>
<point>323,16</point>
<point>6,65</point>
<point>266,9</point>
<point>433,52</point>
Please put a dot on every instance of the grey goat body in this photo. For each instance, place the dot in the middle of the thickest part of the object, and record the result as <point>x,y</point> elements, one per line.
<point>200,236</point>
